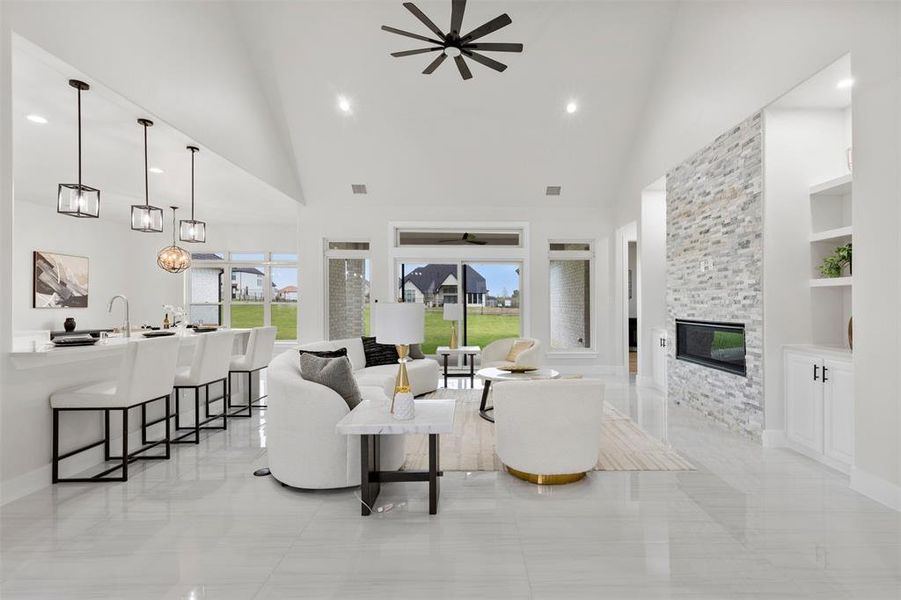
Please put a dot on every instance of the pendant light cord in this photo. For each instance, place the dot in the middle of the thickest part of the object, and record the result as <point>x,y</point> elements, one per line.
<point>146,175</point>
<point>79,141</point>
<point>192,184</point>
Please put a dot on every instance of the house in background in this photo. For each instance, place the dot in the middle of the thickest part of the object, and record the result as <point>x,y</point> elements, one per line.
<point>435,285</point>
<point>286,294</point>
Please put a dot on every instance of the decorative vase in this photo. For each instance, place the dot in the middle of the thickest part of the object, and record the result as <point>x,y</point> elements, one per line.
<point>453,340</point>
<point>69,324</point>
<point>404,407</point>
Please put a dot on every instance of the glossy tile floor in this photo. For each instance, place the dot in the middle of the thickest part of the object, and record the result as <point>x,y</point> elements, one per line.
<point>749,523</point>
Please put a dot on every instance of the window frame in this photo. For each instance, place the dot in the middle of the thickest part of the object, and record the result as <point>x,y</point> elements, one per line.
<point>228,265</point>
<point>580,255</point>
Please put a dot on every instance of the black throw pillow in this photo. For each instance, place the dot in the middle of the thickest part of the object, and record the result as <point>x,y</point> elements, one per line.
<point>378,354</point>
<point>325,353</point>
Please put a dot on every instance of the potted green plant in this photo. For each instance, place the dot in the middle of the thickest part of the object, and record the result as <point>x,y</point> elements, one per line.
<point>834,263</point>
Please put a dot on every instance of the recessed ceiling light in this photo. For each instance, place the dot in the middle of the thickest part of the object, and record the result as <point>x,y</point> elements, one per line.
<point>344,104</point>
<point>572,107</point>
<point>155,170</point>
<point>36,119</point>
<point>844,84</point>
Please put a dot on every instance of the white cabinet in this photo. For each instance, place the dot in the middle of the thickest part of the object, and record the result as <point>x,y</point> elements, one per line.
<point>819,404</point>
<point>659,351</point>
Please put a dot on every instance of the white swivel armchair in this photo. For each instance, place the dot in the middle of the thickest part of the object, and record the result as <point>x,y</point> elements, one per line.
<point>549,431</point>
<point>495,354</point>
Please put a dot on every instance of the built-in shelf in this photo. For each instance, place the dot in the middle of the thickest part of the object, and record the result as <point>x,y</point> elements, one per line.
<point>831,282</point>
<point>839,186</point>
<point>832,234</point>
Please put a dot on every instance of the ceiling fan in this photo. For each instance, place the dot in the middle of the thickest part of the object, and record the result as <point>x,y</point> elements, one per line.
<point>467,238</point>
<point>455,45</point>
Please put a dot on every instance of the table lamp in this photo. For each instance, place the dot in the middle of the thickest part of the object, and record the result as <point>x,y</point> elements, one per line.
<point>453,313</point>
<point>400,324</point>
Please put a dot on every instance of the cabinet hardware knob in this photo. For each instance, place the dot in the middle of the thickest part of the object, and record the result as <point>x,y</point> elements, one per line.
<point>815,367</point>
<point>825,379</point>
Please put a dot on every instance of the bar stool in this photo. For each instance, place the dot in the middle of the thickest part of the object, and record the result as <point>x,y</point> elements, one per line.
<point>255,358</point>
<point>208,367</point>
<point>146,376</point>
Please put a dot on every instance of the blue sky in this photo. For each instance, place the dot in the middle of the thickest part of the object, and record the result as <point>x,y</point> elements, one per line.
<point>498,276</point>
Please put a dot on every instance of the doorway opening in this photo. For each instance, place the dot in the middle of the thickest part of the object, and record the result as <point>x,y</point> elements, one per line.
<point>632,303</point>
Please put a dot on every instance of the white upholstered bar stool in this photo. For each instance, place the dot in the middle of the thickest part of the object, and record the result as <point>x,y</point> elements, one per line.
<point>255,358</point>
<point>209,366</point>
<point>146,375</point>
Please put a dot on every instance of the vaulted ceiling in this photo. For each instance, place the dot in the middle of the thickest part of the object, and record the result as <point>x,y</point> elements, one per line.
<point>258,83</point>
<point>499,138</point>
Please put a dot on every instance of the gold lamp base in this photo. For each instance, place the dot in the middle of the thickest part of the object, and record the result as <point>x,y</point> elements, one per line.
<point>454,344</point>
<point>402,381</point>
<point>560,479</point>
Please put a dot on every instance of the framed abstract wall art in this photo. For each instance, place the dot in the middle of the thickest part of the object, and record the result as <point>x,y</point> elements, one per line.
<point>60,280</point>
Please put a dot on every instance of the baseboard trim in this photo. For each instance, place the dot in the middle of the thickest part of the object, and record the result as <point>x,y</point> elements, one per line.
<point>773,438</point>
<point>876,488</point>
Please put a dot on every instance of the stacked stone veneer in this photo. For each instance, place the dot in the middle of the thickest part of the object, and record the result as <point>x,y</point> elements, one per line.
<point>570,304</point>
<point>346,296</point>
<point>714,255</point>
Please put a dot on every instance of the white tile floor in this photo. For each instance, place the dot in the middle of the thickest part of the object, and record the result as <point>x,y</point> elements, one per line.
<point>749,523</point>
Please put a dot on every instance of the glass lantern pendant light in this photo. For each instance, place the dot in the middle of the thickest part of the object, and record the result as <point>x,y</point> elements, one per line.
<point>172,258</point>
<point>75,199</point>
<point>191,230</point>
<point>146,218</point>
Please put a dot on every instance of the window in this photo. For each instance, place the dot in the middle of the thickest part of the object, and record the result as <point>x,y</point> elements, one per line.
<point>248,290</point>
<point>570,295</point>
<point>347,289</point>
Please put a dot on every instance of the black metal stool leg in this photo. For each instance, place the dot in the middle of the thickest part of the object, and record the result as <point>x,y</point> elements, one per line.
<point>124,444</point>
<point>106,432</point>
<point>56,445</point>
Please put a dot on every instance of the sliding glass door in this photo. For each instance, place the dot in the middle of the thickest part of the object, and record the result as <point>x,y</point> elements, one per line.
<point>489,291</point>
<point>493,302</point>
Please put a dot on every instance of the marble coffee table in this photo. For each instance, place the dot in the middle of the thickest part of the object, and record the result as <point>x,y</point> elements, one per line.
<point>372,420</point>
<point>493,374</point>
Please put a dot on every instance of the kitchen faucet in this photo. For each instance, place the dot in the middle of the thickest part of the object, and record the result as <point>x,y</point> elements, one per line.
<point>127,320</point>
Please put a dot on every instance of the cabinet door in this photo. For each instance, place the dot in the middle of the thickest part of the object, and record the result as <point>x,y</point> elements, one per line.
<point>838,411</point>
<point>659,360</point>
<point>804,401</point>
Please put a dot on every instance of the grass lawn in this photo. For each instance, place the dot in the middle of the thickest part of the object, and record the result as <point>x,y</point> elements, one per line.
<point>483,329</point>
<point>284,317</point>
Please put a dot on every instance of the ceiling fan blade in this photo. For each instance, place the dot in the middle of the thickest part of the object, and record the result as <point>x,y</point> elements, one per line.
<point>465,73</point>
<point>457,8</point>
<point>425,20</point>
<point>412,52</point>
<point>415,36</point>
<point>494,47</point>
<point>488,62</point>
<point>476,242</point>
<point>434,64</point>
<point>483,30</point>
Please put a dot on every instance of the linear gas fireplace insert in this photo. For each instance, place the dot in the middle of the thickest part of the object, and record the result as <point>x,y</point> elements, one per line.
<point>715,345</point>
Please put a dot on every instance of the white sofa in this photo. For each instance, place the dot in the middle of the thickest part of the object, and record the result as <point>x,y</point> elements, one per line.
<point>303,448</point>
<point>495,354</point>
<point>548,431</point>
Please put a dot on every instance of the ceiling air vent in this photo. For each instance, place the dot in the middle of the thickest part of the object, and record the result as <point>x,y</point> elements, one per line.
<point>553,190</point>
<point>358,188</point>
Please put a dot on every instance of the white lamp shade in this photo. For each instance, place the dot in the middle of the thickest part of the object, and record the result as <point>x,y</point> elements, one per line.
<point>453,312</point>
<point>399,323</point>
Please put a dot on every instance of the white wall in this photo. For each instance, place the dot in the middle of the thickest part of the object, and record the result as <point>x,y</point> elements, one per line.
<point>722,62</point>
<point>652,250</point>
<point>357,220</point>
<point>803,148</point>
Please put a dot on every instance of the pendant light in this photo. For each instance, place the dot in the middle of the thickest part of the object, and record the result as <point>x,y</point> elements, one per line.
<point>75,199</point>
<point>172,258</point>
<point>146,218</point>
<point>191,230</point>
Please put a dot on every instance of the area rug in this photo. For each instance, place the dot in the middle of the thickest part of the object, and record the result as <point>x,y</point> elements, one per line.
<point>624,446</point>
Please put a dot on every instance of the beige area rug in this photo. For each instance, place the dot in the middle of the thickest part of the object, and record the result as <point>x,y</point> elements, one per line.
<point>624,446</point>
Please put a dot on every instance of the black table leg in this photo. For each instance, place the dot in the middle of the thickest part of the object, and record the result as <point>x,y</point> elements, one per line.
<point>483,409</point>
<point>472,370</point>
<point>369,473</point>
<point>434,474</point>
<point>445,370</point>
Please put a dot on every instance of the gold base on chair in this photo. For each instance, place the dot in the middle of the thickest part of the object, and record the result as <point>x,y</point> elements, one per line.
<point>560,479</point>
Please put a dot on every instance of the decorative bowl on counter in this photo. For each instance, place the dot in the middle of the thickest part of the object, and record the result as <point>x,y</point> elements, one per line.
<point>65,341</point>
<point>205,328</point>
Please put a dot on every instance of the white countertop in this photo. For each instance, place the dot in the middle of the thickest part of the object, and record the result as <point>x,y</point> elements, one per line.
<point>30,351</point>
<point>840,352</point>
<point>368,418</point>
<point>459,350</point>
